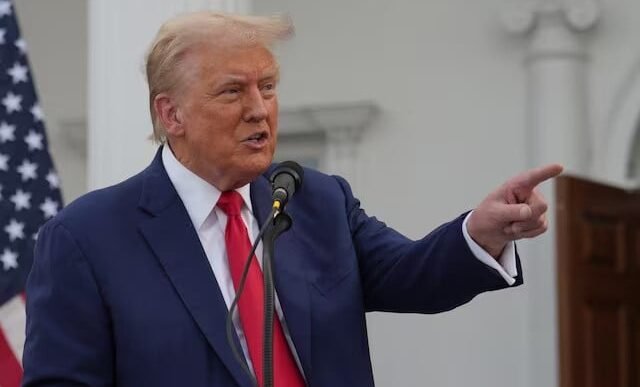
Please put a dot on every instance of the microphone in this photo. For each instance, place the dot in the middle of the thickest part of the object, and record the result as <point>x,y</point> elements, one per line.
<point>285,180</point>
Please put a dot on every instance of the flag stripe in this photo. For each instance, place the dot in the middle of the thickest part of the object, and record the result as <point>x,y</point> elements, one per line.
<point>10,370</point>
<point>12,323</point>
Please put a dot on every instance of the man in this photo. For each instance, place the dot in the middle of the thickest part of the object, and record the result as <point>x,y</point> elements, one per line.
<point>131,285</point>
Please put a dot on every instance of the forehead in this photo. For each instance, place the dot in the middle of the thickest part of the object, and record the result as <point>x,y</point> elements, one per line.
<point>215,60</point>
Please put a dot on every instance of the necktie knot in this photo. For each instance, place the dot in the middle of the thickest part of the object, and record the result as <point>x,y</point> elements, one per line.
<point>230,202</point>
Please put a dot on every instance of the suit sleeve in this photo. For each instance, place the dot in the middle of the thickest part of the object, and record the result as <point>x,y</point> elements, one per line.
<point>434,274</point>
<point>68,339</point>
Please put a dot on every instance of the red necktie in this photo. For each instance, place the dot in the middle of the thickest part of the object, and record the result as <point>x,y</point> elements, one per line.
<point>250,306</point>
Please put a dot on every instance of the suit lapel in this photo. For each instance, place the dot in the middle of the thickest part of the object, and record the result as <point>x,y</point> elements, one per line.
<point>289,275</point>
<point>176,245</point>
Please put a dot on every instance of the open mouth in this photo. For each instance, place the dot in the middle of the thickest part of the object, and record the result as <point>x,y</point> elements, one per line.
<point>257,139</point>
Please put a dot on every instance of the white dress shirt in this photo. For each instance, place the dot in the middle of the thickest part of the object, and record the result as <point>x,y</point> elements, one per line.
<point>200,198</point>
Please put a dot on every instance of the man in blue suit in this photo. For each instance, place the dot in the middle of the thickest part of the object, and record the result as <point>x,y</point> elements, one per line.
<point>131,285</point>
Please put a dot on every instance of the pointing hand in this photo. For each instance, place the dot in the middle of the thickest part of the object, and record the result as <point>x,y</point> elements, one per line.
<point>514,211</point>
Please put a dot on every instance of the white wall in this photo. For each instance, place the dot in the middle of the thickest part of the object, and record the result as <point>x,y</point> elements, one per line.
<point>450,83</point>
<point>56,34</point>
<point>614,79</point>
<point>451,89</point>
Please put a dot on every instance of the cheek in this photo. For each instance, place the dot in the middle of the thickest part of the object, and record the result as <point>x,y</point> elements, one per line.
<point>272,109</point>
<point>220,117</point>
<point>218,127</point>
<point>273,121</point>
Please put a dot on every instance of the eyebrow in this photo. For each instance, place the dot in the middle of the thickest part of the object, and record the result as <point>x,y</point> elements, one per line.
<point>231,79</point>
<point>272,72</point>
<point>228,79</point>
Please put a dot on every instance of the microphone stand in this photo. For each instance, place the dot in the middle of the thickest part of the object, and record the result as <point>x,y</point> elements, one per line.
<point>280,223</point>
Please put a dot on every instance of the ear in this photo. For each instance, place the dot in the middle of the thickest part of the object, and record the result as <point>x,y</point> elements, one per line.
<point>169,114</point>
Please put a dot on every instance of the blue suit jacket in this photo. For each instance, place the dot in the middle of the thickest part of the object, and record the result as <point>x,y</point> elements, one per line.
<point>121,292</point>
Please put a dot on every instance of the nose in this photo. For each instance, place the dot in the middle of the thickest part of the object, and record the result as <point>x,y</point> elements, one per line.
<point>255,109</point>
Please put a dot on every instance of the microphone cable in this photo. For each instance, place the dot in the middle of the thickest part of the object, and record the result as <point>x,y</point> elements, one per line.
<point>245,271</point>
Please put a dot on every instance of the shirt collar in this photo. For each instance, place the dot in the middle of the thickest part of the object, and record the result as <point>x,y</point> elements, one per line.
<point>198,196</point>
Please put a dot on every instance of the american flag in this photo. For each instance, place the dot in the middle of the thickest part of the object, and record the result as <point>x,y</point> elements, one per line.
<point>29,188</point>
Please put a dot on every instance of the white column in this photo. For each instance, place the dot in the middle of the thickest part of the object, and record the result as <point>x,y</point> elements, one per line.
<point>120,32</point>
<point>558,131</point>
<point>556,64</point>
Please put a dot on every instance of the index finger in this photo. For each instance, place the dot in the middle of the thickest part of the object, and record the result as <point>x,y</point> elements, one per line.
<point>531,178</point>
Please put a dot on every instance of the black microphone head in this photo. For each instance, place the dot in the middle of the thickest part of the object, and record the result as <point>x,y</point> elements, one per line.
<point>292,168</point>
<point>286,179</point>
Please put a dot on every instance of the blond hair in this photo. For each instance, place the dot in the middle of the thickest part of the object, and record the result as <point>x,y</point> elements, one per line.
<point>179,34</point>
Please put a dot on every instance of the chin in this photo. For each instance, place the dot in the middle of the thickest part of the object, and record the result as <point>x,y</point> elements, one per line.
<point>258,165</point>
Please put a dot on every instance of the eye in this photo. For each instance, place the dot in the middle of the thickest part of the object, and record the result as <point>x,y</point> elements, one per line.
<point>268,89</point>
<point>231,91</point>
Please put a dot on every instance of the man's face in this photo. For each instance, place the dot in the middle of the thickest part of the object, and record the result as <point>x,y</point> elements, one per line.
<point>228,112</point>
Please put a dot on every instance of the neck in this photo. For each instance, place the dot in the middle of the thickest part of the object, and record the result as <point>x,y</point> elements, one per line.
<point>221,181</point>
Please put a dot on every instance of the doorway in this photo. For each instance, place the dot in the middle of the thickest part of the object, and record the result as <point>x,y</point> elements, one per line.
<point>598,284</point>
